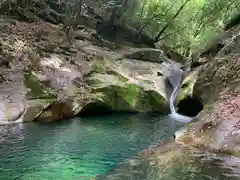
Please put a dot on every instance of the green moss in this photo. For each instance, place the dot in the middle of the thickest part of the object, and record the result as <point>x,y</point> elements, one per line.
<point>93,82</point>
<point>130,94</point>
<point>99,68</point>
<point>131,98</point>
<point>37,91</point>
<point>182,94</point>
<point>121,77</point>
<point>120,98</point>
<point>157,102</point>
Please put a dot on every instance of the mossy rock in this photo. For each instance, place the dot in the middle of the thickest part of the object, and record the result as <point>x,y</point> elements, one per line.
<point>99,68</point>
<point>37,90</point>
<point>130,98</point>
<point>38,97</point>
<point>115,89</point>
<point>35,108</point>
<point>97,80</point>
<point>120,98</point>
<point>187,86</point>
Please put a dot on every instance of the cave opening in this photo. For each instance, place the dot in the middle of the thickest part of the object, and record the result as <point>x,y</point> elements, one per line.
<point>95,109</point>
<point>190,106</point>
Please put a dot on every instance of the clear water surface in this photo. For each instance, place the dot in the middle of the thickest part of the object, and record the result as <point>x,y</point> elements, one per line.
<point>76,148</point>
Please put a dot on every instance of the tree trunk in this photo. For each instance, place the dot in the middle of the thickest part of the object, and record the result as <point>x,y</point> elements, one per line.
<point>155,15</point>
<point>167,25</point>
<point>142,10</point>
<point>123,10</point>
<point>78,11</point>
<point>113,15</point>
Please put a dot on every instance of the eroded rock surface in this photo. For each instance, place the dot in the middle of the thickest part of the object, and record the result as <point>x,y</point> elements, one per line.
<point>217,127</point>
<point>61,77</point>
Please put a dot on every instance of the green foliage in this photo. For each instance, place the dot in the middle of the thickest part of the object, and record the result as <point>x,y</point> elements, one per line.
<point>197,23</point>
<point>180,24</point>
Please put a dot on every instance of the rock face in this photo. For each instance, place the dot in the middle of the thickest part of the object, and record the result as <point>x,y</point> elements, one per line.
<point>48,76</point>
<point>218,85</point>
<point>170,160</point>
<point>148,54</point>
<point>128,86</point>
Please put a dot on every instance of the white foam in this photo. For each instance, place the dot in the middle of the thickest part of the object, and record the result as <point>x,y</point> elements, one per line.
<point>180,118</point>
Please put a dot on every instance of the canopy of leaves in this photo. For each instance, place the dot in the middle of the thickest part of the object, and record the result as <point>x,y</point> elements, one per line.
<point>197,23</point>
<point>180,24</point>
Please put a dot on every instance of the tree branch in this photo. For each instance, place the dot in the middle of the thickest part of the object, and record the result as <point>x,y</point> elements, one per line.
<point>167,25</point>
<point>170,34</point>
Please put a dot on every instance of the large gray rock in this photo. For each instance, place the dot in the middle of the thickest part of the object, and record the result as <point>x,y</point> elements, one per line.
<point>57,80</point>
<point>129,85</point>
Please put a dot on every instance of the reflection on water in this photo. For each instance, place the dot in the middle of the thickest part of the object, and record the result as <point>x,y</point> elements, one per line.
<point>105,147</point>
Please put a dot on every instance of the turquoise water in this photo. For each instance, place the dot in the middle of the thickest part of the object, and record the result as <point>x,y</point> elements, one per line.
<point>77,148</point>
<point>105,148</point>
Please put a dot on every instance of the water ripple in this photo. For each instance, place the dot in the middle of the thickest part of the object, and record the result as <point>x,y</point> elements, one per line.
<point>76,148</point>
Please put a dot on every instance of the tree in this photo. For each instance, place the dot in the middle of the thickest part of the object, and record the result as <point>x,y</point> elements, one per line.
<point>167,25</point>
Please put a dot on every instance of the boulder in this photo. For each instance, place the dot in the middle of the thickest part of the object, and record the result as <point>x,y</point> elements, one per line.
<point>22,97</point>
<point>127,86</point>
<point>187,86</point>
<point>147,54</point>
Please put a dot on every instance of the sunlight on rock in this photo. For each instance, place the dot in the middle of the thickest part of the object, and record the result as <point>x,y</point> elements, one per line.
<point>182,136</point>
<point>54,61</point>
<point>19,47</point>
<point>11,111</point>
<point>66,69</point>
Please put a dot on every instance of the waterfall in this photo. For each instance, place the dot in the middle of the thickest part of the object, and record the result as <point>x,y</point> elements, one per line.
<point>175,81</point>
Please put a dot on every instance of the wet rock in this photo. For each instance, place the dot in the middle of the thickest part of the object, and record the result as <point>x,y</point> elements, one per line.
<point>11,111</point>
<point>170,160</point>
